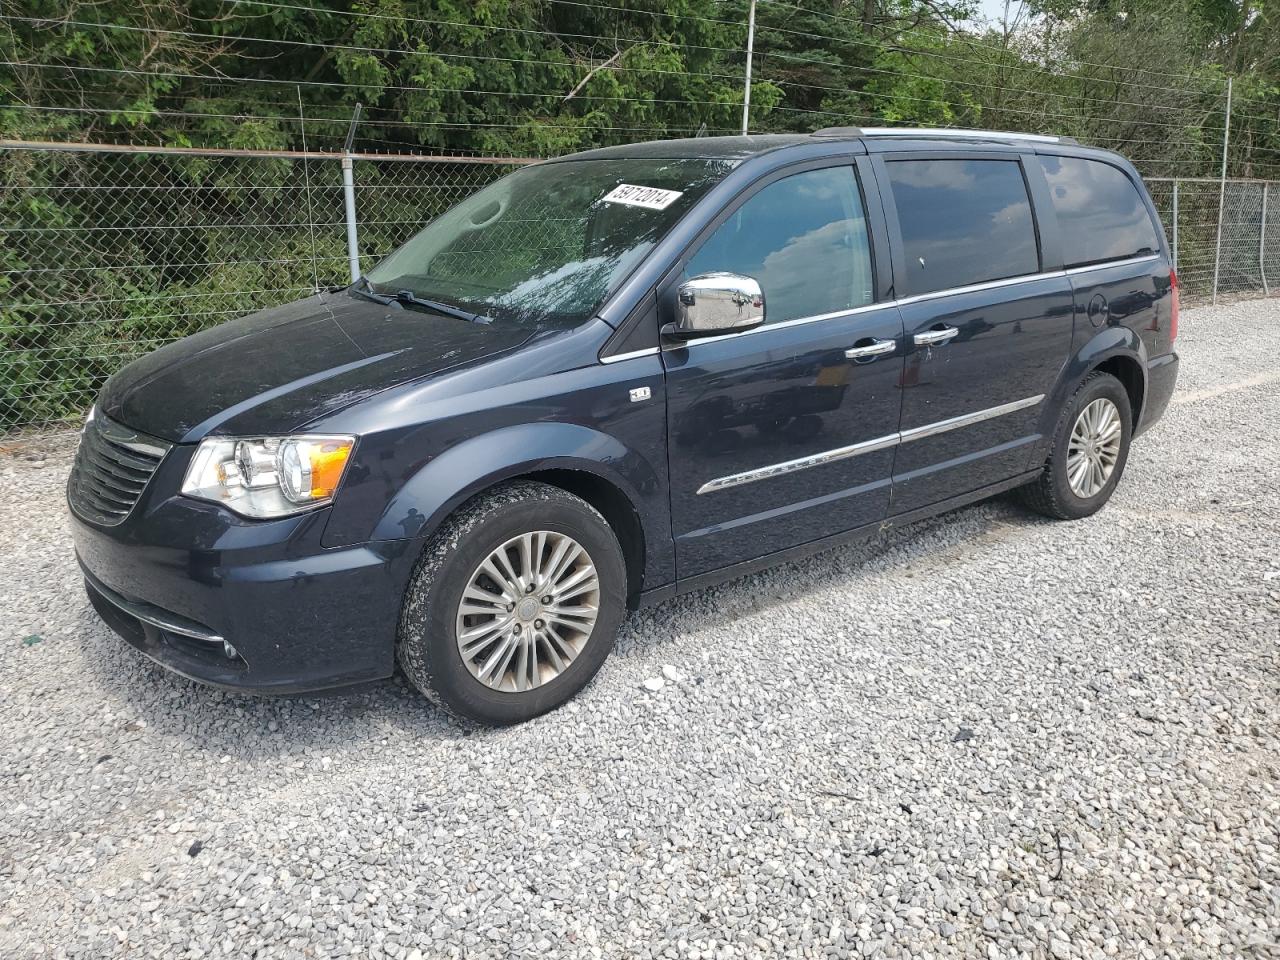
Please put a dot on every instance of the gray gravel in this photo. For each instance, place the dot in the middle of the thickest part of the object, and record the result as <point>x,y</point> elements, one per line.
<point>987,735</point>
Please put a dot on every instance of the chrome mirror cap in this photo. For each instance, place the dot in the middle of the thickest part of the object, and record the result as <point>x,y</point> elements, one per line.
<point>713,303</point>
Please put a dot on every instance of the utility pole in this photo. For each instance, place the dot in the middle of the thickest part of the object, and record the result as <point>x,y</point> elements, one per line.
<point>751,43</point>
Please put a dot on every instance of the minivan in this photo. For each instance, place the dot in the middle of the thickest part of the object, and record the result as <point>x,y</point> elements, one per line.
<point>616,376</point>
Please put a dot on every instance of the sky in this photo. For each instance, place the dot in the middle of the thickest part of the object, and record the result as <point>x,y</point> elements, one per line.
<point>994,9</point>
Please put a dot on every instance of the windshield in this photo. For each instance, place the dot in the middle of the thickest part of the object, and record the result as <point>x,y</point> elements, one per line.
<point>549,242</point>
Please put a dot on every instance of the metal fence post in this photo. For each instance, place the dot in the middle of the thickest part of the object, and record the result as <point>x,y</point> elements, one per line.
<point>1175,223</point>
<point>1262,241</point>
<point>751,42</point>
<point>349,199</point>
<point>1222,194</point>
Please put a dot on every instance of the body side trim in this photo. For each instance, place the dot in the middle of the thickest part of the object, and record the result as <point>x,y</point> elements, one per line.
<point>800,463</point>
<point>866,446</point>
<point>967,419</point>
<point>712,577</point>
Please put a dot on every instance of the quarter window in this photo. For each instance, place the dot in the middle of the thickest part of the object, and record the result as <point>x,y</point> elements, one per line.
<point>1100,212</point>
<point>963,222</point>
<point>803,238</point>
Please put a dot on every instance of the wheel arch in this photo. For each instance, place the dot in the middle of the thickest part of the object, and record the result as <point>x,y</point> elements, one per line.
<point>618,482</point>
<point>616,508</point>
<point>1132,376</point>
<point>1114,350</point>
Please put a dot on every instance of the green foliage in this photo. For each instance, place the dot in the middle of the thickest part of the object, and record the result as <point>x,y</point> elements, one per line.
<point>102,257</point>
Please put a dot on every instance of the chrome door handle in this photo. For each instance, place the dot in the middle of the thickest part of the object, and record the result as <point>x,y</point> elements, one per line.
<point>873,349</point>
<point>933,337</point>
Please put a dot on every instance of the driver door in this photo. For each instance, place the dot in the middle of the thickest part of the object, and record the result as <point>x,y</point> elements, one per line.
<point>784,434</point>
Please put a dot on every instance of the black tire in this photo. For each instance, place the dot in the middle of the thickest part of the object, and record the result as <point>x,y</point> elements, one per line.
<point>427,642</point>
<point>1051,493</point>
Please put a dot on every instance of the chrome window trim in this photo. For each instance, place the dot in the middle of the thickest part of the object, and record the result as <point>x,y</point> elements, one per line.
<point>899,302</point>
<point>798,321</point>
<point>978,287</point>
<point>631,355</point>
<point>1145,258</point>
<point>867,446</point>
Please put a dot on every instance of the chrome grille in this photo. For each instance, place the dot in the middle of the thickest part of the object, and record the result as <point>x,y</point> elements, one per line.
<point>111,470</point>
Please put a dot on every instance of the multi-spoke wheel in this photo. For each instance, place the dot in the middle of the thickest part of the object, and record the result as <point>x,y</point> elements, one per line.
<point>528,611</point>
<point>514,605</point>
<point>1094,448</point>
<point>1091,444</point>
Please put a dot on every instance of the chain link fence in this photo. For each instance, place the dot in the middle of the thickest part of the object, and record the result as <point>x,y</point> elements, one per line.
<point>107,252</point>
<point>1241,260</point>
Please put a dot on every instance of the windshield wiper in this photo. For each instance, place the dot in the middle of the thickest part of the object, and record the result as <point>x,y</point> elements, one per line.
<point>410,299</point>
<point>365,289</point>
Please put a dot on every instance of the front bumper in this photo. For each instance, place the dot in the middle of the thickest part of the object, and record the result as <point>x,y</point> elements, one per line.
<point>242,605</point>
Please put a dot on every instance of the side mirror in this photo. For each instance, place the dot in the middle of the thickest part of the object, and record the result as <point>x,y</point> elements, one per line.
<point>716,303</point>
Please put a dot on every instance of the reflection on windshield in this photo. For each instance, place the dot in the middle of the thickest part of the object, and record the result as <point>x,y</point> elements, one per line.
<point>550,242</point>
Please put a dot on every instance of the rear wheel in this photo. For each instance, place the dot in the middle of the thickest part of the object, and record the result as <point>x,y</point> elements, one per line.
<point>514,606</point>
<point>1089,452</point>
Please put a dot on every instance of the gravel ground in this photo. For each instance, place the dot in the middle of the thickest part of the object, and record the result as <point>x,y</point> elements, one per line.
<point>987,735</point>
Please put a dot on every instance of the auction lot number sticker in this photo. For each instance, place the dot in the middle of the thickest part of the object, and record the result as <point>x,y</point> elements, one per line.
<point>654,198</point>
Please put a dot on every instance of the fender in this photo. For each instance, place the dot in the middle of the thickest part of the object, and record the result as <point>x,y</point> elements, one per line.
<point>447,481</point>
<point>1104,345</point>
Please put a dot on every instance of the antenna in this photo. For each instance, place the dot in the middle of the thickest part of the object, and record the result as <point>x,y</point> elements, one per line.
<point>306,174</point>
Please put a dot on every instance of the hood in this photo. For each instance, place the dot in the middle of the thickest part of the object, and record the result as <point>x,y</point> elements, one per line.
<point>277,370</point>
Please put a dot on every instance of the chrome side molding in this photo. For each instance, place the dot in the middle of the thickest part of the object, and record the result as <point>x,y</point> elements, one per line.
<point>802,463</point>
<point>867,446</point>
<point>968,419</point>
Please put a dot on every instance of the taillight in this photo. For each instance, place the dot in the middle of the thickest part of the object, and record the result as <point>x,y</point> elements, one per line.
<point>1173,312</point>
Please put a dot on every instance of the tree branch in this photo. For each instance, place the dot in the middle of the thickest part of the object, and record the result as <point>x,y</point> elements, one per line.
<point>591,73</point>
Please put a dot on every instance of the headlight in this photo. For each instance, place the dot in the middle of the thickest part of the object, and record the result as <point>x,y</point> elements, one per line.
<point>264,477</point>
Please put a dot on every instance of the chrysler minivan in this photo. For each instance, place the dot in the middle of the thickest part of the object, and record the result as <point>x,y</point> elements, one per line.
<point>613,377</point>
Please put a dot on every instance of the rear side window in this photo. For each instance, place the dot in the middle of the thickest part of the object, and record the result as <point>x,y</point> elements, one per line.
<point>963,222</point>
<point>804,239</point>
<point>1100,212</point>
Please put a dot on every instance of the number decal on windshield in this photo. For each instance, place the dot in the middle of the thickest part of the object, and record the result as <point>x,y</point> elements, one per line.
<point>654,198</point>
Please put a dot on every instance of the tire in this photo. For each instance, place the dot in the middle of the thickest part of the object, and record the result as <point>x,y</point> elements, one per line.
<point>431,620</point>
<point>1052,493</point>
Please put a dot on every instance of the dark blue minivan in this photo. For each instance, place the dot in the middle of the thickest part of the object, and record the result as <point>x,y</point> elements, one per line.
<point>613,377</point>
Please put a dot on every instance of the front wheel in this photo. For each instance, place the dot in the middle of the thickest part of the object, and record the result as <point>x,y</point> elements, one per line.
<point>1090,448</point>
<point>514,606</point>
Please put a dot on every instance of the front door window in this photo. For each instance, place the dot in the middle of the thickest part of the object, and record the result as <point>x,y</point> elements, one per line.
<point>804,238</point>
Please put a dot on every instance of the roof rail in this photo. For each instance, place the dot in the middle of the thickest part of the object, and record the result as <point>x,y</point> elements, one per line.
<point>837,132</point>
<point>942,133</point>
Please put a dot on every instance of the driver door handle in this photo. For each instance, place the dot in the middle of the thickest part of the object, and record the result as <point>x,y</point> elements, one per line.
<point>934,337</point>
<point>873,349</point>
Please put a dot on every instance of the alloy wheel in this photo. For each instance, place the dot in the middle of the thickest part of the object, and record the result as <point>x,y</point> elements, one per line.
<point>527,611</point>
<point>1094,448</point>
